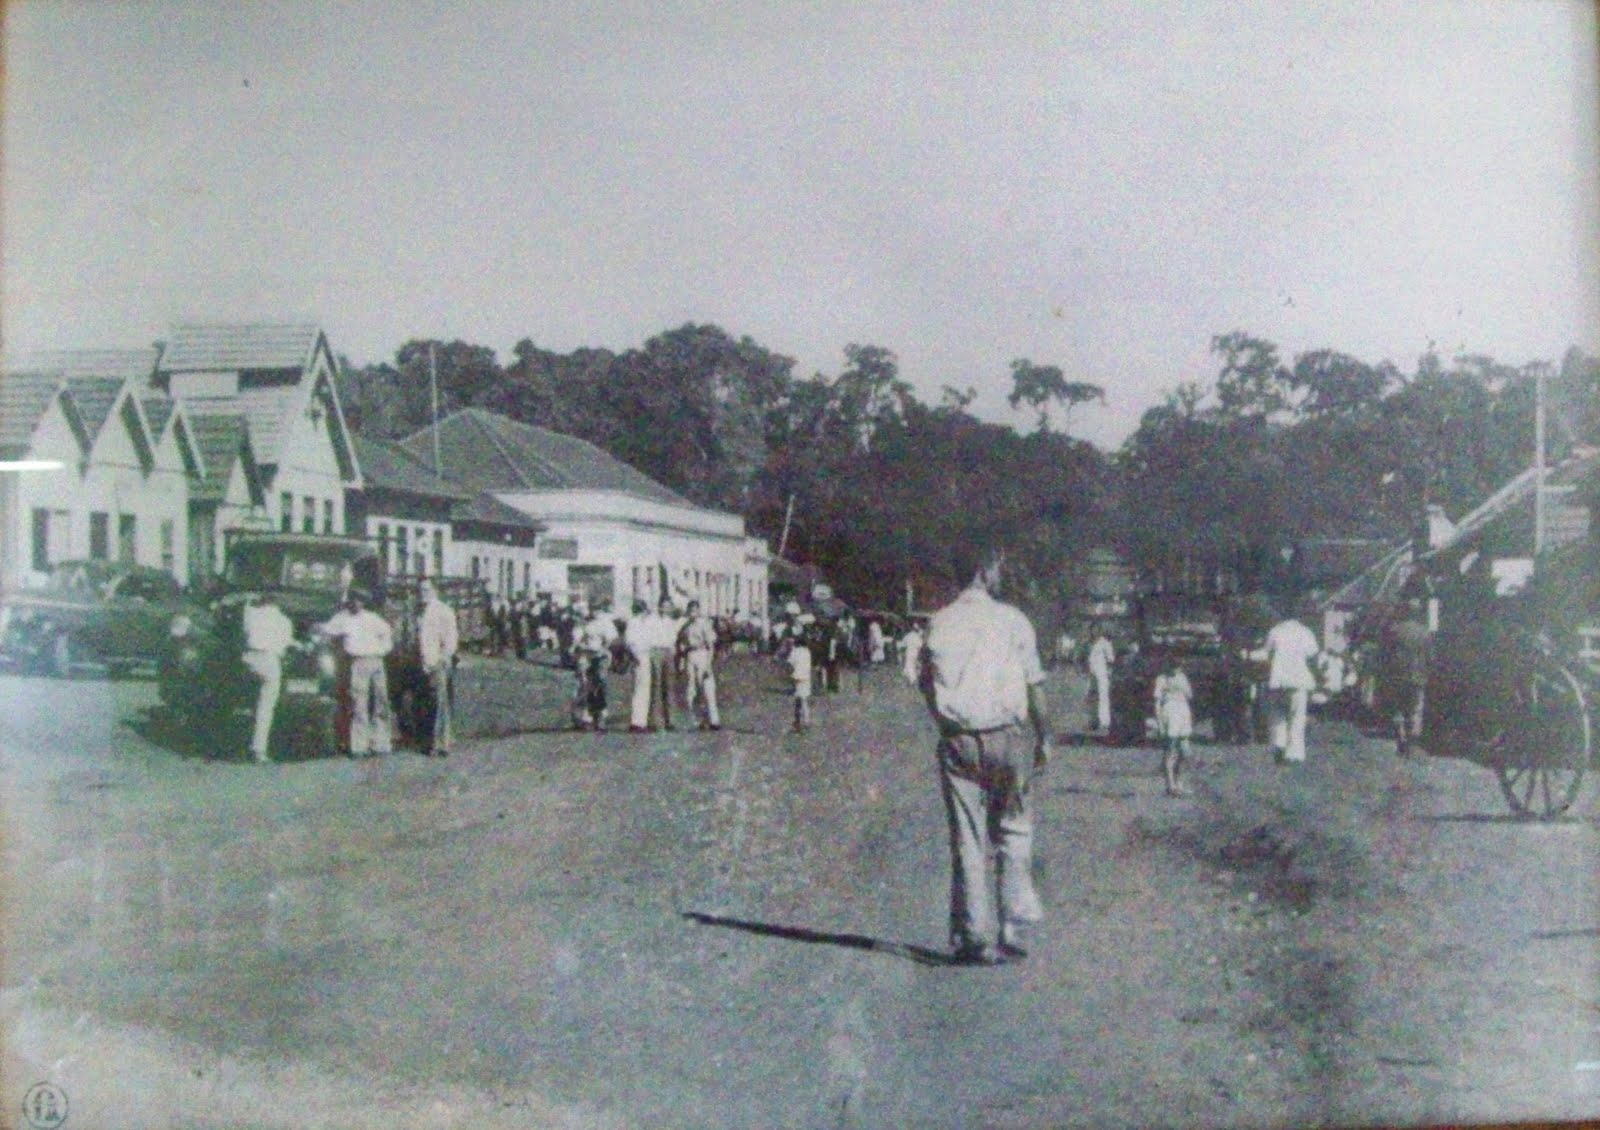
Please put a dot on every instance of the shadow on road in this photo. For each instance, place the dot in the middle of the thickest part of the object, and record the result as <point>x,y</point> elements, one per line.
<point>919,954</point>
<point>1493,818</point>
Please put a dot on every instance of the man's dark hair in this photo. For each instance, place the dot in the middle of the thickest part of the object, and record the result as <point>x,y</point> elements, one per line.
<point>972,553</point>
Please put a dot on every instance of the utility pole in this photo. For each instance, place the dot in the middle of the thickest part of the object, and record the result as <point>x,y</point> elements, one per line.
<point>1538,462</point>
<point>433,384</point>
<point>788,513</point>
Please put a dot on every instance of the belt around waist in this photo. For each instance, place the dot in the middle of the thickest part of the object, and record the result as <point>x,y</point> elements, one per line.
<point>962,731</point>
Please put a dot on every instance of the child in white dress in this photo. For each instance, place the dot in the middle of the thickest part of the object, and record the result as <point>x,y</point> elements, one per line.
<point>1174,721</point>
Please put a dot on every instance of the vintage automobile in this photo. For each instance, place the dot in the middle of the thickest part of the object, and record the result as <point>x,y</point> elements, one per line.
<point>203,680</point>
<point>1208,635</point>
<point>91,612</point>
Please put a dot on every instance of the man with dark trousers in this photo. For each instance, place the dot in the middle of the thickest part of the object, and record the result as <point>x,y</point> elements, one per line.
<point>981,677</point>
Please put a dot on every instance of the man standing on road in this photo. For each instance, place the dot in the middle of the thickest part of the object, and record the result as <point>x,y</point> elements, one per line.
<point>698,644</point>
<point>652,638</point>
<point>981,677</point>
<point>1101,656</point>
<point>439,638</point>
<point>1407,649</point>
<point>267,635</point>
<point>367,640</point>
<point>592,652</point>
<point>1289,649</point>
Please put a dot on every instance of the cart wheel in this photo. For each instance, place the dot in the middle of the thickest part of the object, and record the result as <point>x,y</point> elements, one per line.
<point>1541,755</point>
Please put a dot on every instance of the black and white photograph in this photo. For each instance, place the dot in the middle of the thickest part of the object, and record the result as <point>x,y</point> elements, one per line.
<point>821,565</point>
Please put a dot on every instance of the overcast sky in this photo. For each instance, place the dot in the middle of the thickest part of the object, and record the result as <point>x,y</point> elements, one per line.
<point>1102,187</point>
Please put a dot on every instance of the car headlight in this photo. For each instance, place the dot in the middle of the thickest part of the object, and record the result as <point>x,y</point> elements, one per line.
<point>180,627</point>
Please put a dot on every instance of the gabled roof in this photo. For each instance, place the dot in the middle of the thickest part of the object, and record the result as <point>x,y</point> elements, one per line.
<point>1384,581</point>
<point>1511,498</point>
<point>159,411</point>
<point>124,364</point>
<point>230,348</point>
<point>91,400</point>
<point>388,466</point>
<point>24,397</point>
<point>222,439</point>
<point>488,452</point>
<point>263,409</point>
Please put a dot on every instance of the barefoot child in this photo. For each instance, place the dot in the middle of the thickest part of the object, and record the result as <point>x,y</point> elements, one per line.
<point>1174,721</point>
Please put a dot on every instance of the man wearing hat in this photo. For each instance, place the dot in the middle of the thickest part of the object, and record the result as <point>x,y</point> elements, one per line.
<point>367,640</point>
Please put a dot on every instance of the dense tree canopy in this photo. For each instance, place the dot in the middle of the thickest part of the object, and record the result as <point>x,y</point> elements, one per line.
<point>852,472</point>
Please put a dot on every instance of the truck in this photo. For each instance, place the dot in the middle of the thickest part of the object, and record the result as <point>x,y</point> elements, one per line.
<point>210,694</point>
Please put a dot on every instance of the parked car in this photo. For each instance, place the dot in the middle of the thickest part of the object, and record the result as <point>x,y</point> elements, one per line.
<point>91,612</point>
<point>205,684</point>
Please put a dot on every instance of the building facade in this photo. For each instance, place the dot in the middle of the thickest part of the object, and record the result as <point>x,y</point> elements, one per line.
<point>610,534</point>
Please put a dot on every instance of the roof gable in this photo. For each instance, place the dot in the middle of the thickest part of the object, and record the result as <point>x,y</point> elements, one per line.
<point>24,398</point>
<point>262,347</point>
<point>222,440</point>
<point>489,452</point>
<point>90,401</point>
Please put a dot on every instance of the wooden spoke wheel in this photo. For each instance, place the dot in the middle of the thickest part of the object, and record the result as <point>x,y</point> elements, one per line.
<point>1542,748</point>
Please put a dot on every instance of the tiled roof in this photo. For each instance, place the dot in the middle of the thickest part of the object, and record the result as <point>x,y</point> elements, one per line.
<point>489,452</point>
<point>93,397</point>
<point>388,466</point>
<point>220,438</point>
<point>159,410</point>
<point>24,396</point>
<point>264,409</point>
<point>489,509</point>
<point>229,348</point>
<point>124,364</point>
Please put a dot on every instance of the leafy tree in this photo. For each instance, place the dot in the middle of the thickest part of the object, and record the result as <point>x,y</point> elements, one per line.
<point>1253,382</point>
<point>1042,386</point>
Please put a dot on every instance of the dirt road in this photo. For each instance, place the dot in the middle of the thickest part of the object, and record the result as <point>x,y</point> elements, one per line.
<point>747,928</point>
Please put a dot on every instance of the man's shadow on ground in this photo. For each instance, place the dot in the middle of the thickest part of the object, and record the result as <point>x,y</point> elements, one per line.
<point>919,954</point>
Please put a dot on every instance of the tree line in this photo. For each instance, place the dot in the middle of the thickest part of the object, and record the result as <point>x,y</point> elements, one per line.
<point>856,474</point>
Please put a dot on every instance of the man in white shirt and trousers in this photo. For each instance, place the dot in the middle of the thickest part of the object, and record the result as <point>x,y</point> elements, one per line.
<point>368,638</point>
<point>268,633</point>
<point>1101,656</point>
<point>981,677</point>
<point>1288,651</point>
<point>439,639</point>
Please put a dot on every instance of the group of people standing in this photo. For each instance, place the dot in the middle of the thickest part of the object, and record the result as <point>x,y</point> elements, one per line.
<point>364,639</point>
<point>660,645</point>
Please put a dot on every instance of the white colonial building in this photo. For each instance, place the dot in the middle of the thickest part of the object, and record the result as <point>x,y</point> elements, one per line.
<point>106,484</point>
<point>154,454</point>
<point>609,533</point>
<point>280,379</point>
